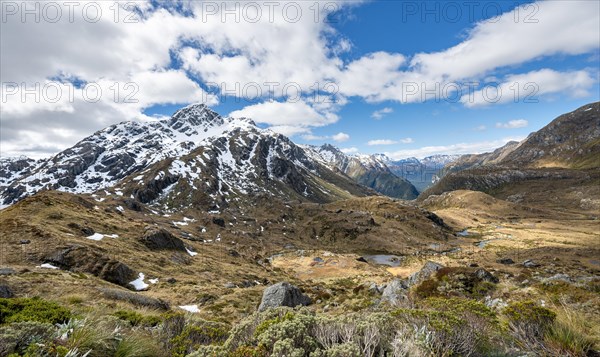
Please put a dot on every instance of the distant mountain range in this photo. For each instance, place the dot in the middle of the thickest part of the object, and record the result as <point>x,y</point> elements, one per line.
<point>422,173</point>
<point>368,170</point>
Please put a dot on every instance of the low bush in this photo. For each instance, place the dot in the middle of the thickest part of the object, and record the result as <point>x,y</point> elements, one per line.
<point>135,318</point>
<point>529,323</point>
<point>17,337</point>
<point>32,309</point>
<point>134,298</point>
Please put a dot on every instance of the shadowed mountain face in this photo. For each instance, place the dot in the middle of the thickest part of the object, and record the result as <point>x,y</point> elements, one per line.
<point>196,148</point>
<point>566,150</point>
<point>368,170</point>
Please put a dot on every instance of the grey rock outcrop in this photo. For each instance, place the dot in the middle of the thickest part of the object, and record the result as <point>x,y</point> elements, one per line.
<point>283,294</point>
<point>426,271</point>
<point>6,292</point>
<point>395,292</point>
<point>78,258</point>
<point>160,239</point>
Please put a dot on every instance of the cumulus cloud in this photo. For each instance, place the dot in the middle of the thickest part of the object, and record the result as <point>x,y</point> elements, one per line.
<point>458,148</point>
<point>273,61</point>
<point>381,142</point>
<point>513,124</point>
<point>288,118</point>
<point>340,137</point>
<point>350,151</point>
<point>378,114</point>
<point>529,87</point>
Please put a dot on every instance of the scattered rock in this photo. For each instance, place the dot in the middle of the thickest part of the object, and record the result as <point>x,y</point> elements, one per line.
<point>473,265</point>
<point>283,294</point>
<point>218,221</point>
<point>133,205</point>
<point>361,259</point>
<point>245,284</point>
<point>7,271</point>
<point>426,271</point>
<point>395,292</point>
<point>24,241</point>
<point>233,253</point>
<point>318,260</point>
<point>6,292</point>
<point>229,285</point>
<point>558,277</point>
<point>530,264</point>
<point>495,303</point>
<point>87,231</point>
<point>171,280</point>
<point>162,239</point>
<point>505,261</point>
<point>485,275</point>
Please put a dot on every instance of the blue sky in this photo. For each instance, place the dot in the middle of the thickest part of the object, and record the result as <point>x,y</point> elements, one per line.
<point>364,56</point>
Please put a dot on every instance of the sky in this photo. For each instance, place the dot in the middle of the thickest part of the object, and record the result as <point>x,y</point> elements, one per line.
<point>404,78</point>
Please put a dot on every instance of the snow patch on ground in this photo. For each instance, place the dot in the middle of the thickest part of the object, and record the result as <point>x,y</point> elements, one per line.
<point>47,266</point>
<point>139,284</point>
<point>193,254</point>
<point>96,237</point>
<point>190,308</point>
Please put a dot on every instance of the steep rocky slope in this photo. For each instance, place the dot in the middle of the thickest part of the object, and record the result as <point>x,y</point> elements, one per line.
<point>562,158</point>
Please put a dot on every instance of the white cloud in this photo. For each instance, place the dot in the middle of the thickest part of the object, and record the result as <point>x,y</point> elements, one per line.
<point>459,148</point>
<point>351,150</point>
<point>340,137</point>
<point>242,56</point>
<point>513,124</point>
<point>480,128</point>
<point>507,40</point>
<point>312,137</point>
<point>514,38</point>
<point>378,114</point>
<point>529,87</point>
<point>381,142</point>
<point>389,142</point>
<point>288,118</point>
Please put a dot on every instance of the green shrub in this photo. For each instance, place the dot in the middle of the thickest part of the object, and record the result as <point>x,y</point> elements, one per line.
<point>18,336</point>
<point>528,322</point>
<point>461,306</point>
<point>32,309</point>
<point>137,319</point>
<point>197,334</point>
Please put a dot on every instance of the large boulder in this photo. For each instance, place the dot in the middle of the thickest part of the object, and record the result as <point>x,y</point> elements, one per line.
<point>161,239</point>
<point>425,273</point>
<point>395,292</point>
<point>83,259</point>
<point>283,294</point>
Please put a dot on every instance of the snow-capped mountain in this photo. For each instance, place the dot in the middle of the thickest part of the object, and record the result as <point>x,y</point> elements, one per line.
<point>368,170</point>
<point>196,144</point>
<point>424,172</point>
